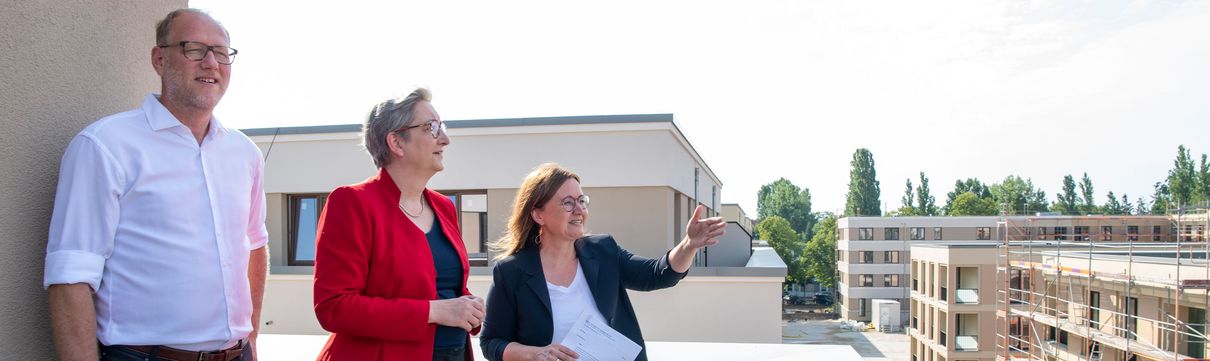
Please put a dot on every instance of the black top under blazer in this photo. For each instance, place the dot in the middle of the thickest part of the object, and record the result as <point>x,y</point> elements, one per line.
<point>518,305</point>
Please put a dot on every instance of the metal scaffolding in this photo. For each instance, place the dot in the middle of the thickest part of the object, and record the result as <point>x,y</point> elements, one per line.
<point>1054,269</point>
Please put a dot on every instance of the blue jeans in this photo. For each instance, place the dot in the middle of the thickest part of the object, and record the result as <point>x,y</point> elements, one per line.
<point>124,354</point>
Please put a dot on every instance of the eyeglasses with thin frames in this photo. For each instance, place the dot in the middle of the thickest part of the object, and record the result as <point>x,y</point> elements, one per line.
<point>435,127</point>
<point>197,51</point>
<point>569,203</point>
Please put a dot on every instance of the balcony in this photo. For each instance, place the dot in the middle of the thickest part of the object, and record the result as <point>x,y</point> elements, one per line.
<point>966,343</point>
<point>966,295</point>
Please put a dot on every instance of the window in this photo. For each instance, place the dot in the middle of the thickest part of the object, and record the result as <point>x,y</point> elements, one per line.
<point>890,280</point>
<point>867,256</point>
<point>471,208</point>
<point>1063,338</point>
<point>1060,233</point>
<point>1132,318</point>
<point>983,233</point>
<point>865,234</point>
<point>1106,233</point>
<point>917,233</point>
<point>890,256</point>
<point>1042,233</point>
<point>302,218</point>
<point>1082,233</point>
<point>1132,233</point>
<point>867,280</point>
<point>861,306</point>
<point>1094,309</point>
<point>1155,233</point>
<point>892,234</point>
<point>839,256</point>
<point>1195,347</point>
<point>937,233</point>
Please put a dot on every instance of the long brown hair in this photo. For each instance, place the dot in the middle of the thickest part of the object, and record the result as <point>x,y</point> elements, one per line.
<point>537,188</point>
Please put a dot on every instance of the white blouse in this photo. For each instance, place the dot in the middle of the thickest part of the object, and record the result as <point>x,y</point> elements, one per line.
<point>568,303</point>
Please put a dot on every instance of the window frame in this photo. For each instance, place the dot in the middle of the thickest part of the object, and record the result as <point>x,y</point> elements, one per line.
<point>887,257</point>
<point>983,233</point>
<point>476,258</point>
<point>292,222</point>
<point>865,234</point>
<point>936,233</point>
<point>915,236</point>
<point>886,234</point>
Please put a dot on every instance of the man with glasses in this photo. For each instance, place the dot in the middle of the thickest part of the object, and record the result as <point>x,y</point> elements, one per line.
<point>157,239</point>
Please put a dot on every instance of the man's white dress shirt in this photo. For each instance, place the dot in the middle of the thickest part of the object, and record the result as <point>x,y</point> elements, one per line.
<point>160,227</point>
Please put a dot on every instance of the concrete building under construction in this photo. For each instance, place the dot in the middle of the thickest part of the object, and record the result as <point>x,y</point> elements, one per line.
<point>1106,291</point>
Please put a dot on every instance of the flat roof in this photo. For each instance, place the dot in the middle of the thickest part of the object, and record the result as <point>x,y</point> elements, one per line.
<point>479,123</point>
<point>510,122</point>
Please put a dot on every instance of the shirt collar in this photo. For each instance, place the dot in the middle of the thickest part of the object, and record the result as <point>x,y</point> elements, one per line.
<point>159,118</point>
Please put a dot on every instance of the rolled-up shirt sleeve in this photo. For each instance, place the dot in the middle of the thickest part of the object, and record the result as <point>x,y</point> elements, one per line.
<point>85,217</point>
<point>257,233</point>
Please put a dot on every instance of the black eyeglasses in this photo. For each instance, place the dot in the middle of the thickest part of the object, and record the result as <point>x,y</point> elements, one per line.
<point>197,51</point>
<point>435,127</point>
<point>569,204</point>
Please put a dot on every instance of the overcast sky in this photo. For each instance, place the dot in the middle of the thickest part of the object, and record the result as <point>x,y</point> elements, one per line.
<point>769,89</point>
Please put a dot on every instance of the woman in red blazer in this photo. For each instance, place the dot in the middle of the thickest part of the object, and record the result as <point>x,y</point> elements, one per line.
<point>390,266</point>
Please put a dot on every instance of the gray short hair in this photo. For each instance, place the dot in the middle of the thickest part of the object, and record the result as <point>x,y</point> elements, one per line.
<point>165,25</point>
<point>385,118</point>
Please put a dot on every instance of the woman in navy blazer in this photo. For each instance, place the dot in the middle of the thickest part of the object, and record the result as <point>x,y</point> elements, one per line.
<point>549,273</point>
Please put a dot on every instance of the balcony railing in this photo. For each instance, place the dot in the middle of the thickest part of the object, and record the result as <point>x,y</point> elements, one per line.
<point>966,343</point>
<point>967,295</point>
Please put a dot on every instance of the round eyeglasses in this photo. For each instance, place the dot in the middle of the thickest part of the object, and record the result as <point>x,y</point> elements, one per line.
<point>435,127</point>
<point>569,204</point>
<point>197,51</point>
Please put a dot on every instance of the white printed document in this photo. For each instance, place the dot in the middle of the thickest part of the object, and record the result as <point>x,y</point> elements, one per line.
<point>596,341</point>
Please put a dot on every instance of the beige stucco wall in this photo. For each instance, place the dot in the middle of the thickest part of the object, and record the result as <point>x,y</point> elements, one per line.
<point>66,64</point>
<point>741,309</point>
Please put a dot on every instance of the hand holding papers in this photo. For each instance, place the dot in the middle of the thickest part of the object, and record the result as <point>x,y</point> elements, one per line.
<point>596,341</point>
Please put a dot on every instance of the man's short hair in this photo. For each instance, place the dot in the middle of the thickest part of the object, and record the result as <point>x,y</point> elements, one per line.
<point>165,24</point>
<point>386,118</point>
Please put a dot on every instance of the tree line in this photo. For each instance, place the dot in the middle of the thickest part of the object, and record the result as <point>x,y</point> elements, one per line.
<point>806,240</point>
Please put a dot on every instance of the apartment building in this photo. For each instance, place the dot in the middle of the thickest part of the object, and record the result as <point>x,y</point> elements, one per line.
<point>953,301</point>
<point>873,252</point>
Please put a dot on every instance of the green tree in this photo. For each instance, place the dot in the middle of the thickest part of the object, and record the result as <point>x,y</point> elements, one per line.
<point>784,199</point>
<point>821,252</point>
<point>1182,179</point>
<point>1113,206</point>
<point>969,204</point>
<point>1089,204</point>
<point>1141,207</point>
<point>1127,208</point>
<point>972,185</point>
<point>909,199</point>
<point>787,243</point>
<point>864,191</point>
<point>926,205</point>
<point>1067,202</point>
<point>1203,175</point>
<point>1018,196</point>
<point>1160,199</point>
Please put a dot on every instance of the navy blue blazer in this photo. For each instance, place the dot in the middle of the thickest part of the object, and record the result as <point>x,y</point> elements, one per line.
<point>518,305</point>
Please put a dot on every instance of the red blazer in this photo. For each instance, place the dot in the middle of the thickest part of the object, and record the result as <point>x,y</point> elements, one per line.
<point>374,273</point>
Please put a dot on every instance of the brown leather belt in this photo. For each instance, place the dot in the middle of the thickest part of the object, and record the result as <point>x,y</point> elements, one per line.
<point>182,355</point>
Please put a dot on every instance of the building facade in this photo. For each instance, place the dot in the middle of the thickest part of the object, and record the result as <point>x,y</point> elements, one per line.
<point>953,301</point>
<point>873,252</point>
